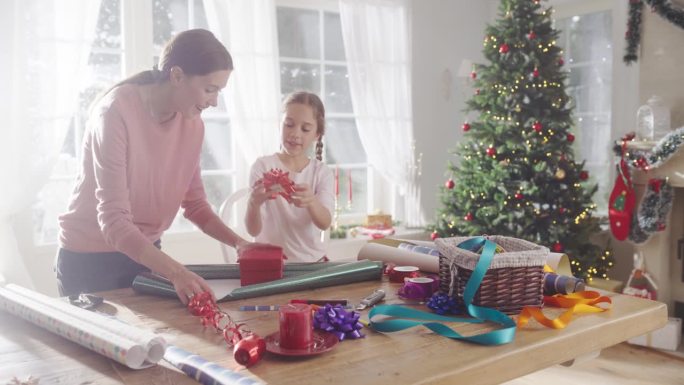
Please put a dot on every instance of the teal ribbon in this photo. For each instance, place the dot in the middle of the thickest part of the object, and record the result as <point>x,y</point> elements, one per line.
<point>404,316</point>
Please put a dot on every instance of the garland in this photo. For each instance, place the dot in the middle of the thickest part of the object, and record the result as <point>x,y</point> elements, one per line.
<point>664,8</point>
<point>653,210</point>
<point>659,154</point>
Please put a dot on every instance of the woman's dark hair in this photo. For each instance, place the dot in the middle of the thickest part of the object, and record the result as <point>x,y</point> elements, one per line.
<point>312,100</point>
<point>195,51</point>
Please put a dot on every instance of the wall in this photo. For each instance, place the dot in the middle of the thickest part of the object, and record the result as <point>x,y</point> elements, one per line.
<point>662,58</point>
<point>445,32</point>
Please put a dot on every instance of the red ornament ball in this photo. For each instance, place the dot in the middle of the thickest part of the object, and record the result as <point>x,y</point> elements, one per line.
<point>504,48</point>
<point>466,127</point>
<point>584,175</point>
<point>537,126</point>
<point>561,210</point>
<point>449,184</point>
<point>557,247</point>
<point>468,217</point>
<point>434,235</point>
<point>561,62</point>
<point>571,138</point>
<point>491,151</point>
<point>535,73</point>
<point>473,75</point>
<point>531,35</point>
<point>519,196</point>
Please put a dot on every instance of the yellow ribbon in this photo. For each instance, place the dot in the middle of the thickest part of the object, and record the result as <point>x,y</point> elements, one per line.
<point>576,303</point>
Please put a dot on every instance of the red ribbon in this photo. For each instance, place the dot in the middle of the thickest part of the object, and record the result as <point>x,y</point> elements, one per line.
<point>278,177</point>
<point>248,348</point>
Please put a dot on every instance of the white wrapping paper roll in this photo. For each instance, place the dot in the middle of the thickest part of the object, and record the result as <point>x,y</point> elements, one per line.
<point>400,257</point>
<point>90,336</point>
<point>154,344</point>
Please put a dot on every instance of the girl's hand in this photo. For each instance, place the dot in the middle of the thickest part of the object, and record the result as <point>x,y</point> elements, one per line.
<point>303,196</point>
<point>187,284</point>
<point>260,194</point>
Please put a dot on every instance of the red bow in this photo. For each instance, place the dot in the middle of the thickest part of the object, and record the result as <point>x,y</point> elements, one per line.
<point>278,177</point>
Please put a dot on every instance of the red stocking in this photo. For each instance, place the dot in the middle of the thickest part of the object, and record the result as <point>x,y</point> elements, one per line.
<point>621,203</point>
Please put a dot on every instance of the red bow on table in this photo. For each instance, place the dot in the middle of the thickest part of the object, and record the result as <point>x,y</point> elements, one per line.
<point>278,177</point>
<point>248,348</point>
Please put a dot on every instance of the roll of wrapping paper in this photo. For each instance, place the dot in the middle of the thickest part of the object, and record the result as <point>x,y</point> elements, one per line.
<point>388,251</point>
<point>338,274</point>
<point>559,263</point>
<point>90,336</point>
<point>561,284</point>
<point>232,270</point>
<point>203,371</point>
<point>153,343</point>
<point>331,276</point>
<point>154,284</point>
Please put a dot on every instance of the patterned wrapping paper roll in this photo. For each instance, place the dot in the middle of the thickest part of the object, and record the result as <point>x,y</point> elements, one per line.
<point>203,371</point>
<point>153,343</point>
<point>561,284</point>
<point>108,344</point>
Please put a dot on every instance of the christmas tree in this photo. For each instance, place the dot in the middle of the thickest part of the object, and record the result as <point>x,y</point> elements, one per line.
<point>517,174</point>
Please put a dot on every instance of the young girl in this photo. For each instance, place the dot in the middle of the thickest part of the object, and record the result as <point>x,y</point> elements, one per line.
<point>295,226</point>
<point>141,164</point>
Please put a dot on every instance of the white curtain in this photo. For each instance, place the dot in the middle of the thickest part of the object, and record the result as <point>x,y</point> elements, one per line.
<point>248,28</point>
<point>377,45</point>
<point>45,47</point>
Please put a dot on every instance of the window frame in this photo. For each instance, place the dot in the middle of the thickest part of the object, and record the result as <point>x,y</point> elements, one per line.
<point>624,88</point>
<point>372,178</point>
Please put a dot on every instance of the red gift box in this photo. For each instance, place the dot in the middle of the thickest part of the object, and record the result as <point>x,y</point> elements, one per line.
<point>260,263</point>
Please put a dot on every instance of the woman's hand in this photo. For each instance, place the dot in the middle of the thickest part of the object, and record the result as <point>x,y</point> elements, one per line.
<point>187,284</point>
<point>303,196</point>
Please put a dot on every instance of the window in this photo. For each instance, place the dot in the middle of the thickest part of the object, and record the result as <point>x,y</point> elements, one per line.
<point>588,52</point>
<point>217,159</point>
<point>312,59</point>
<point>110,59</point>
<point>105,68</point>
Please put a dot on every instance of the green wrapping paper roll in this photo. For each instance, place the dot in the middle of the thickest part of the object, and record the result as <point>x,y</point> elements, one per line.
<point>335,275</point>
<point>232,270</point>
<point>322,276</point>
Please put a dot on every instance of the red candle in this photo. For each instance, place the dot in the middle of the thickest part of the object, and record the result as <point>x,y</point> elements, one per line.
<point>337,181</point>
<point>296,326</point>
<point>350,187</point>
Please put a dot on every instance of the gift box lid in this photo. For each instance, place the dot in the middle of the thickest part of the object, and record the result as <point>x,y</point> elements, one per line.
<point>260,257</point>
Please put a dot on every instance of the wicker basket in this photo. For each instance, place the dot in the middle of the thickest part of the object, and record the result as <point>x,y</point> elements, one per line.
<point>514,279</point>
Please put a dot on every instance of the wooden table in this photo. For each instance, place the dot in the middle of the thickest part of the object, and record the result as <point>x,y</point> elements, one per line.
<point>407,357</point>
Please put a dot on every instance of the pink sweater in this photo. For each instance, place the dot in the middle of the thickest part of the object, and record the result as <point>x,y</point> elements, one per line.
<point>136,174</point>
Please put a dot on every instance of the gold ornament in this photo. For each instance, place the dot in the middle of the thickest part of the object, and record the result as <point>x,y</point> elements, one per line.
<point>560,174</point>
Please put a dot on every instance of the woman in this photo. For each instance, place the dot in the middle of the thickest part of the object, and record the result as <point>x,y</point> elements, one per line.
<point>140,164</point>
